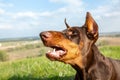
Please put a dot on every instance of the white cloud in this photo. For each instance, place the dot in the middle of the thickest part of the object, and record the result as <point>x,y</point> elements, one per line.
<point>23,14</point>
<point>6,26</point>
<point>108,16</point>
<point>69,2</point>
<point>29,14</point>
<point>112,14</point>
<point>6,4</point>
<point>115,2</point>
<point>62,9</point>
<point>71,10</point>
<point>45,14</point>
<point>2,11</point>
<point>112,9</point>
<point>74,2</point>
<point>72,6</point>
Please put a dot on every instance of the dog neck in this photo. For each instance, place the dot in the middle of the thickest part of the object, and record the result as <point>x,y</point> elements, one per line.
<point>88,61</point>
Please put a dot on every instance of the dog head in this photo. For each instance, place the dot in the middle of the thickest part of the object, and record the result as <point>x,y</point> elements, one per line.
<point>72,44</point>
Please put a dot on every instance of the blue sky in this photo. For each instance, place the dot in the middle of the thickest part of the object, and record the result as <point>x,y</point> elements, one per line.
<point>23,18</point>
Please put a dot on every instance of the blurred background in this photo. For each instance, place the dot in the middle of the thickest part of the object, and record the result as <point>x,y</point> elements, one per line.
<point>22,54</point>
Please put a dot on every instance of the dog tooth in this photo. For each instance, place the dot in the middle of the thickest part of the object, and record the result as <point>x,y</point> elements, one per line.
<point>54,50</point>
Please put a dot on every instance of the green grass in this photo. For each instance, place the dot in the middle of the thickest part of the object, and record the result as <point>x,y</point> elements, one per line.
<point>3,56</point>
<point>35,69</point>
<point>41,68</point>
<point>111,51</point>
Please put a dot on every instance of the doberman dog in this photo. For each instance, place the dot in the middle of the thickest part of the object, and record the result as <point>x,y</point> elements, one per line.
<point>76,46</point>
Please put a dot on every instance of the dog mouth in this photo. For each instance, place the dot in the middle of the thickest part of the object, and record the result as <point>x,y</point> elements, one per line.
<point>56,53</point>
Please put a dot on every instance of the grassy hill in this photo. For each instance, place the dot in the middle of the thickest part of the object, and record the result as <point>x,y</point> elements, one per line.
<point>40,68</point>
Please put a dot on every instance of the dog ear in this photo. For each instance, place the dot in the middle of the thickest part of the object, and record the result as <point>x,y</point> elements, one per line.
<point>66,24</point>
<point>92,27</point>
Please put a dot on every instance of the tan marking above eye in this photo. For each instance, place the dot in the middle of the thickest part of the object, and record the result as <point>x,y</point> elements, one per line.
<point>70,33</point>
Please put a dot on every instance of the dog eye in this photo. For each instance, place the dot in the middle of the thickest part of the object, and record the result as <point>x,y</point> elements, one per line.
<point>74,33</point>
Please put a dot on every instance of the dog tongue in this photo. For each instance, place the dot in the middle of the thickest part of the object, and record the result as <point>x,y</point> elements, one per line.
<point>56,53</point>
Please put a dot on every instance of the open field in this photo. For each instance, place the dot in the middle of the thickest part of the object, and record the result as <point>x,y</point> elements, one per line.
<point>35,69</point>
<point>22,49</point>
<point>27,61</point>
<point>40,68</point>
<point>112,41</point>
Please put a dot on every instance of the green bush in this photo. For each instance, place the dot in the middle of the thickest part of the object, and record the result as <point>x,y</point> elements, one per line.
<point>3,56</point>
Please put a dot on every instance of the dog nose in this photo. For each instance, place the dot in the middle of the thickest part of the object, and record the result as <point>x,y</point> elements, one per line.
<point>45,34</point>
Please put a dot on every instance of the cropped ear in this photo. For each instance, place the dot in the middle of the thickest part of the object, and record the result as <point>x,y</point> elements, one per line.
<point>92,27</point>
<point>66,24</point>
